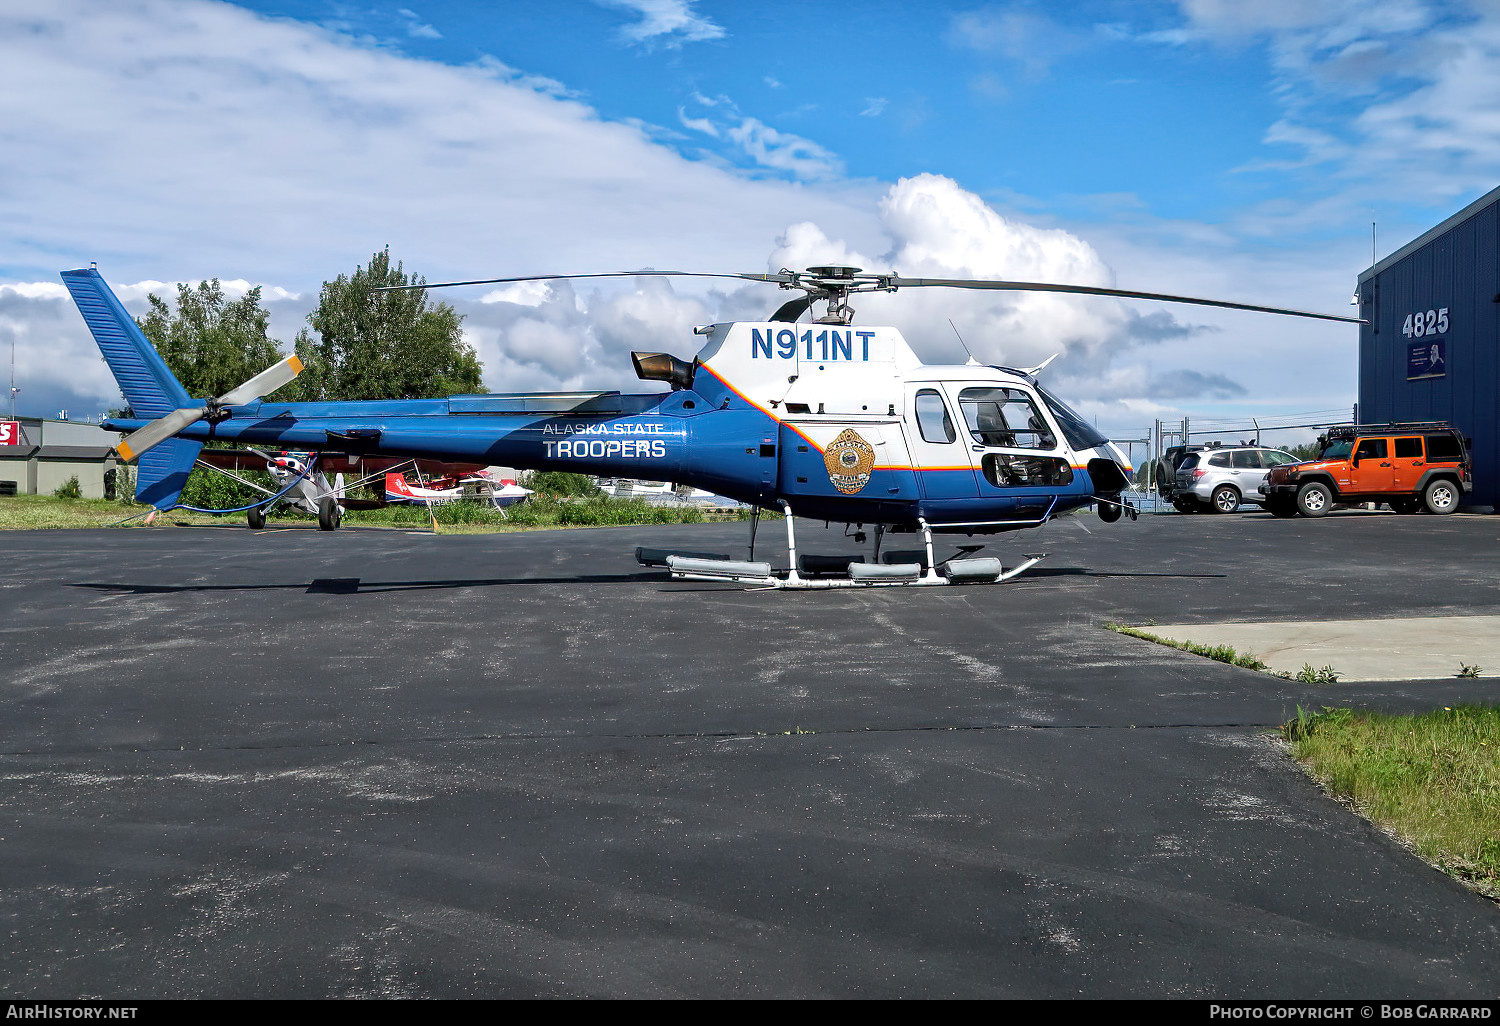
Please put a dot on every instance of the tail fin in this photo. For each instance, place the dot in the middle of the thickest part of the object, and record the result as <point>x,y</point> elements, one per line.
<point>163,471</point>
<point>148,386</point>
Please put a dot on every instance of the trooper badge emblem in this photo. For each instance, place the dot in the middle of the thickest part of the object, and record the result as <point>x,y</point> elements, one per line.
<point>849,460</point>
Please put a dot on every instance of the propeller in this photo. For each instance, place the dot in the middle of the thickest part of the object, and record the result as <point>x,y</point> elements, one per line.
<point>835,284</point>
<point>162,428</point>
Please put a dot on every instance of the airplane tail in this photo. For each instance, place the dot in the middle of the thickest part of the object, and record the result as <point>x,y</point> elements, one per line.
<point>147,384</point>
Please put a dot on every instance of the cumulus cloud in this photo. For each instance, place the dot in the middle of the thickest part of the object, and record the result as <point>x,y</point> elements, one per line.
<point>188,139</point>
<point>1190,384</point>
<point>784,151</point>
<point>416,27</point>
<point>665,23</point>
<point>572,335</point>
<point>1386,97</point>
<point>184,140</point>
<point>1030,40</point>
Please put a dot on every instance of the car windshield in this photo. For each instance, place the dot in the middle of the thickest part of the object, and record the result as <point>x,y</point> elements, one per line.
<point>1337,450</point>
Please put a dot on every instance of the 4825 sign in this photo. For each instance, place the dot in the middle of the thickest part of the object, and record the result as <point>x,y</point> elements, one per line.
<point>1429,322</point>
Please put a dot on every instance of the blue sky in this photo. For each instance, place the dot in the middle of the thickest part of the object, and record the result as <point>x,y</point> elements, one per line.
<point>1199,146</point>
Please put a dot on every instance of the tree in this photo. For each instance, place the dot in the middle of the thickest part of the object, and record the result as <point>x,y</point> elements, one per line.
<point>383,345</point>
<point>557,482</point>
<point>211,344</point>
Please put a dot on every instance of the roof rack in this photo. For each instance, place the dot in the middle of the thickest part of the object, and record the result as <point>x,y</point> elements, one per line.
<point>1393,428</point>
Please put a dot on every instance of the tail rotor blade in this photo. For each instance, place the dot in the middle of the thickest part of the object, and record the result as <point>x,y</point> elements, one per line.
<point>162,428</point>
<point>158,431</point>
<point>264,383</point>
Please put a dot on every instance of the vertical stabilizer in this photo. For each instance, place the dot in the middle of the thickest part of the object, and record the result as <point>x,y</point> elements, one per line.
<point>147,384</point>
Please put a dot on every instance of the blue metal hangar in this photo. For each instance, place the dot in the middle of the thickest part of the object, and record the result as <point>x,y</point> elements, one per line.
<point>1430,349</point>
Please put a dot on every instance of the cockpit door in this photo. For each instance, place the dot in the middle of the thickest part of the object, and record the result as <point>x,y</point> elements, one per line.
<point>1018,454</point>
<point>938,443</point>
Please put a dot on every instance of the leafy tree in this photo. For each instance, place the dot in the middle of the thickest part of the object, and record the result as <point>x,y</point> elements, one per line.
<point>211,344</point>
<point>383,345</point>
<point>557,482</point>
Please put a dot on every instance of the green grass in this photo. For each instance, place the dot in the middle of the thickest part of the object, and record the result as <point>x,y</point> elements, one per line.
<point>538,511</point>
<point>1433,780</point>
<point>1221,653</point>
<point>43,512</point>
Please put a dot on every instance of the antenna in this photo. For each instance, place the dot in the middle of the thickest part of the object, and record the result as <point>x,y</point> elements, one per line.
<point>971,361</point>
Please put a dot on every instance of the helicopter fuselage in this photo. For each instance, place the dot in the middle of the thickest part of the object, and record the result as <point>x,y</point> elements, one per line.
<point>840,423</point>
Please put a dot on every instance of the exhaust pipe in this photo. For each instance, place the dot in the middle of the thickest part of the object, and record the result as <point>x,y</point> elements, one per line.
<point>664,367</point>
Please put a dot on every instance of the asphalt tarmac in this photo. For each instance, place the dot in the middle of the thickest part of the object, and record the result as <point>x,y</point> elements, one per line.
<point>371,763</point>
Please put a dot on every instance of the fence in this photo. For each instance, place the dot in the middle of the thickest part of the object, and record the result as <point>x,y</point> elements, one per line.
<point>1146,451</point>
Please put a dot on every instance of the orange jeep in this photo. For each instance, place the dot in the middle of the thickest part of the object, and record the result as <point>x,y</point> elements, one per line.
<point>1411,467</point>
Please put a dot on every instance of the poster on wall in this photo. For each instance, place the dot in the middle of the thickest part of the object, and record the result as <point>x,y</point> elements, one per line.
<point>10,432</point>
<point>1426,359</point>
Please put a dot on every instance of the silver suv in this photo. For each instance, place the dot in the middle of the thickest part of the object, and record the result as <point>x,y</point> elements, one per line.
<point>1219,479</point>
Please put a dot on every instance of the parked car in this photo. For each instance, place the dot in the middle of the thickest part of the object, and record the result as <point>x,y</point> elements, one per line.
<point>1165,474</point>
<point>1412,466</point>
<point>1219,480</point>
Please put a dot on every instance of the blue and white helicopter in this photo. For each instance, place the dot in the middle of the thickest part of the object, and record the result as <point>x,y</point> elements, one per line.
<point>819,419</point>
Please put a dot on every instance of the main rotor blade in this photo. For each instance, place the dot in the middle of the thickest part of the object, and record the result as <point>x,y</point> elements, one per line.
<point>1092,290</point>
<point>158,431</point>
<point>778,279</point>
<point>264,383</point>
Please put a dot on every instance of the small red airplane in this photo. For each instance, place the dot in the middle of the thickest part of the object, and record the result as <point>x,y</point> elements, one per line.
<point>302,480</point>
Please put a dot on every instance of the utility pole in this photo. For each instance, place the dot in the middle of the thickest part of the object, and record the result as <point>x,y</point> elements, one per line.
<point>13,388</point>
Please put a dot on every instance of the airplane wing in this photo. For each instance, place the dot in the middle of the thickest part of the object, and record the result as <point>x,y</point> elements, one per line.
<point>334,462</point>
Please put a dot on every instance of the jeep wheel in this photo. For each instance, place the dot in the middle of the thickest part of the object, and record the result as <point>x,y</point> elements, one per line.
<point>1441,497</point>
<point>329,514</point>
<point>1225,499</point>
<point>1314,499</point>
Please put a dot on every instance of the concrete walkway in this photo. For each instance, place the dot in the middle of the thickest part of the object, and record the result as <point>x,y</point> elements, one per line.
<point>1411,648</point>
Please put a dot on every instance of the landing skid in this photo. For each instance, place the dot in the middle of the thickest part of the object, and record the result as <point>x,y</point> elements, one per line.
<point>703,567</point>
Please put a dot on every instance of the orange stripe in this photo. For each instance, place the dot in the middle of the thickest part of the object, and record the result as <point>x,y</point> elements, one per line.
<point>815,445</point>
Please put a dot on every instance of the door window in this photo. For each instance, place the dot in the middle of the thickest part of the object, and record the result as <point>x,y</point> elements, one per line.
<point>1245,459</point>
<point>1370,449</point>
<point>1408,448</point>
<point>932,417</point>
<point>1005,417</point>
